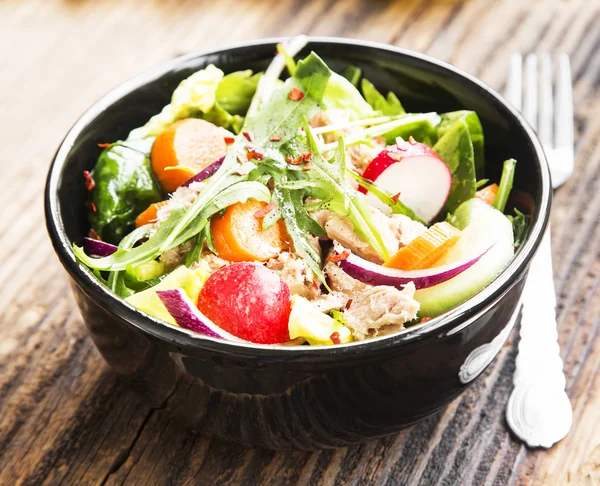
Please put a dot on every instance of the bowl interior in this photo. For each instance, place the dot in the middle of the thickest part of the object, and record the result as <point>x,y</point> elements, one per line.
<point>420,84</point>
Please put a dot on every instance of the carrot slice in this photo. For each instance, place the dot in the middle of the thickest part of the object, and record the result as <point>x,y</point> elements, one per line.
<point>184,149</point>
<point>425,249</point>
<point>238,235</point>
<point>149,215</point>
<point>488,193</point>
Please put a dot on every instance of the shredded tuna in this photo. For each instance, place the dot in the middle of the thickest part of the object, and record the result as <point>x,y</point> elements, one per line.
<point>381,309</point>
<point>175,256</point>
<point>406,229</point>
<point>183,197</point>
<point>295,273</point>
<point>340,228</point>
<point>339,281</point>
<point>359,156</point>
<point>328,302</point>
<point>214,262</point>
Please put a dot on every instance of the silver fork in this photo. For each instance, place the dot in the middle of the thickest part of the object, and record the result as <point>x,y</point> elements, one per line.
<point>539,411</point>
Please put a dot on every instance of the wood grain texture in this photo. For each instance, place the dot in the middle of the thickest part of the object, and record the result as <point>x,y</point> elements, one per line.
<point>66,418</point>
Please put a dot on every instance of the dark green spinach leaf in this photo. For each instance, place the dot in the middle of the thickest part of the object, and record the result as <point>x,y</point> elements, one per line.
<point>124,187</point>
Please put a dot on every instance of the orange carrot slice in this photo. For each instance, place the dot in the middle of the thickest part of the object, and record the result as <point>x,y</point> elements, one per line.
<point>238,235</point>
<point>425,249</point>
<point>149,215</point>
<point>487,194</point>
<point>184,149</point>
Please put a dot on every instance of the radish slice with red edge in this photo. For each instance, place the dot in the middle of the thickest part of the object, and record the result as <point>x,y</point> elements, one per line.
<point>97,248</point>
<point>373,274</point>
<point>187,315</point>
<point>205,173</point>
<point>414,171</point>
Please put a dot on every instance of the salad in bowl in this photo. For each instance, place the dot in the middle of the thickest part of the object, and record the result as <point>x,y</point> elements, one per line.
<point>307,211</point>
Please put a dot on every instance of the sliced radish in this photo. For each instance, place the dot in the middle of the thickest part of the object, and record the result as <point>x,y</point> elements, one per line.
<point>97,248</point>
<point>374,274</point>
<point>187,315</point>
<point>414,171</point>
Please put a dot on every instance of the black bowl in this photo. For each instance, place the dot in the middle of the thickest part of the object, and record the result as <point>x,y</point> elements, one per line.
<point>303,397</point>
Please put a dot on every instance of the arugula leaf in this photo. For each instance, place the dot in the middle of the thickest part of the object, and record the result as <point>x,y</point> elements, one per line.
<point>387,106</point>
<point>456,149</point>
<point>124,187</point>
<point>179,227</point>
<point>344,199</point>
<point>290,205</point>
<point>116,280</point>
<point>280,116</point>
<point>475,131</point>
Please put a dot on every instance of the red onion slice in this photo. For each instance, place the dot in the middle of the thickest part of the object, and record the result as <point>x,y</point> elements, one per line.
<point>205,173</point>
<point>187,315</point>
<point>374,274</point>
<point>97,248</point>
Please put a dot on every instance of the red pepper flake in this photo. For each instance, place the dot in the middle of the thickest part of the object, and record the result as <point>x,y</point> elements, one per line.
<point>255,154</point>
<point>395,198</point>
<point>294,161</point>
<point>348,304</point>
<point>89,180</point>
<point>104,145</point>
<point>335,338</point>
<point>307,166</point>
<point>411,140</point>
<point>296,94</point>
<point>339,257</point>
<point>261,213</point>
<point>315,284</point>
<point>275,138</point>
<point>307,156</point>
<point>249,136</point>
<point>93,207</point>
<point>229,140</point>
<point>93,235</point>
<point>426,319</point>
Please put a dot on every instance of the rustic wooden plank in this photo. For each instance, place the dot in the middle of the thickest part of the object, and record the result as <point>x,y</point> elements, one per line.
<point>67,419</point>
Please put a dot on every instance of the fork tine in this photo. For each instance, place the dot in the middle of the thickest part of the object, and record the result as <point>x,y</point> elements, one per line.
<point>564,106</point>
<point>514,83</point>
<point>530,95</point>
<point>546,106</point>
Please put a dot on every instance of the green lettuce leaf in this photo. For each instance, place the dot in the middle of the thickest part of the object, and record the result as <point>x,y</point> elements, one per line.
<point>195,94</point>
<point>341,94</point>
<point>235,91</point>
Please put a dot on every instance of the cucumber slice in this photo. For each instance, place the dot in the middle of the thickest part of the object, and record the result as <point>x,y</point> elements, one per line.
<point>484,227</point>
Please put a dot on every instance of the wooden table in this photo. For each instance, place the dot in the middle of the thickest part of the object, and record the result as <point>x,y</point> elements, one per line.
<point>65,416</point>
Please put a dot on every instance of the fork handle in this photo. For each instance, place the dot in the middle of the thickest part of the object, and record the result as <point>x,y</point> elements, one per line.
<point>539,411</point>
